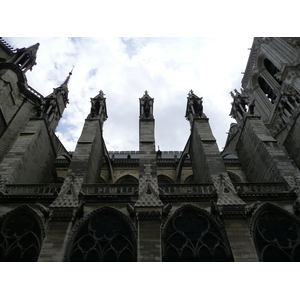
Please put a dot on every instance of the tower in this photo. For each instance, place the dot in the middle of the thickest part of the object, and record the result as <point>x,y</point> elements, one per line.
<point>148,206</point>
<point>28,122</point>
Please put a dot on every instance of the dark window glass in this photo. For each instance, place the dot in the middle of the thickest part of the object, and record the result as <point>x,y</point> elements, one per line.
<point>271,69</point>
<point>20,238</point>
<point>277,236</point>
<point>105,236</point>
<point>193,236</point>
<point>267,89</point>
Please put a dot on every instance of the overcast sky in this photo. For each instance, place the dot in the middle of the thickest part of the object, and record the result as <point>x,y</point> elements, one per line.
<point>168,68</point>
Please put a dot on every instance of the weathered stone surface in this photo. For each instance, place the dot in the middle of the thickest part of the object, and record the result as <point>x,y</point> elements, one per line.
<point>257,171</point>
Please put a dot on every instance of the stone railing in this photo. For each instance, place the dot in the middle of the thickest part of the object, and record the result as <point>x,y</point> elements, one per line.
<point>109,188</point>
<point>182,189</point>
<point>130,189</point>
<point>261,188</point>
<point>167,189</point>
<point>31,189</point>
<point>33,91</point>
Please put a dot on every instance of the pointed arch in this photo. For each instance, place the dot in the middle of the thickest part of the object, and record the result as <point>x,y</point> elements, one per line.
<point>106,234</point>
<point>272,69</point>
<point>267,89</point>
<point>163,179</point>
<point>275,233</point>
<point>190,180</point>
<point>64,156</point>
<point>127,179</point>
<point>97,107</point>
<point>21,235</point>
<point>191,234</point>
<point>234,177</point>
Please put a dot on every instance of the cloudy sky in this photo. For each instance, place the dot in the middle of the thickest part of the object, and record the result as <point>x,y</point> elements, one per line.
<point>168,68</point>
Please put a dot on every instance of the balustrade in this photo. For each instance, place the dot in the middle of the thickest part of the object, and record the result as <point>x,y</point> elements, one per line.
<point>261,188</point>
<point>130,189</point>
<point>31,189</point>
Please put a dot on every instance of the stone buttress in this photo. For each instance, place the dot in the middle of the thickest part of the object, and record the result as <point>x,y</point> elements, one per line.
<point>148,207</point>
<point>27,136</point>
<point>85,167</point>
<point>208,167</point>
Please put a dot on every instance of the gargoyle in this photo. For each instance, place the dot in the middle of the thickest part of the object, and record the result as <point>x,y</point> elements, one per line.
<point>130,208</point>
<point>251,208</point>
<point>80,211</point>
<point>44,210</point>
<point>167,208</point>
<point>296,206</point>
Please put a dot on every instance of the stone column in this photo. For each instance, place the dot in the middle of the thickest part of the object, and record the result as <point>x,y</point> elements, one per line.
<point>56,240</point>
<point>149,235</point>
<point>148,207</point>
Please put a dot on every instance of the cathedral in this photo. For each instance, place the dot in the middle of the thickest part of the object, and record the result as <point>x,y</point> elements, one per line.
<point>193,205</point>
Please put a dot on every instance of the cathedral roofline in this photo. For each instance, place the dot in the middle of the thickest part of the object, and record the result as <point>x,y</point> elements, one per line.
<point>6,47</point>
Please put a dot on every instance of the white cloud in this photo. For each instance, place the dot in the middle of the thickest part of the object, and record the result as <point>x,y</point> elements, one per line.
<point>125,67</point>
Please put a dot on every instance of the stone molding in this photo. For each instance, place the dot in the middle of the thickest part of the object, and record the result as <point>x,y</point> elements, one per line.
<point>28,209</point>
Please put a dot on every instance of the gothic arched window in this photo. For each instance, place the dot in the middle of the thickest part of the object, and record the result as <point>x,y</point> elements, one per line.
<point>97,107</point>
<point>190,180</point>
<point>162,179</point>
<point>266,89</point>
<point>127,184</point>
<point>21,235</point>
<point>127,179</point>
<point>276,234</point>
<point>271,69</point>
<point>193,235</point>
<point>106,235</point>
<point>234,178</point>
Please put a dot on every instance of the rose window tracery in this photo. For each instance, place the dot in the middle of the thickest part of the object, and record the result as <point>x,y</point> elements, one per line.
<point>105,236</point>
<point>193,236</point>
<point>20,237</point>
<point>277,236</point>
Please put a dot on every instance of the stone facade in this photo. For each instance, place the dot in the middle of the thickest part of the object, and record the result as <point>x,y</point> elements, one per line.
<point>198,204</point>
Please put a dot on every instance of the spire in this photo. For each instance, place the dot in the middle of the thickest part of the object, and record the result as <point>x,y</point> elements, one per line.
<point>68,78</point>
<point>194,107</point>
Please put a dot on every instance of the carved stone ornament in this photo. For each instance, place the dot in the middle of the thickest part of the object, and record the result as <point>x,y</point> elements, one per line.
<point>105,234</point>
<point>68,196</point>
<point>44,210</point>
<point>292,41</point>
<point>148,192</point>
<point>233,128</point>
<point>194,106</point>
<point>264,40</point>
<point>249,209</point>
<point>226,192</point>
<point>22,233</point>
<point>275,233</point>
<point>188,231</point>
